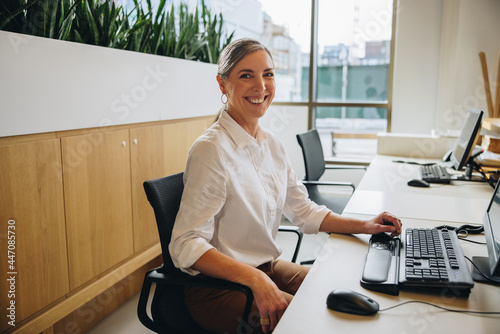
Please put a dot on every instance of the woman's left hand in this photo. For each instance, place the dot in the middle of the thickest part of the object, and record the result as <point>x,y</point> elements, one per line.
<point>384,222</point>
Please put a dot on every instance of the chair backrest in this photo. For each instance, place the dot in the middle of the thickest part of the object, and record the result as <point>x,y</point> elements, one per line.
<point>168,308</point>
<point>312,151</point>
<point>164,195</point>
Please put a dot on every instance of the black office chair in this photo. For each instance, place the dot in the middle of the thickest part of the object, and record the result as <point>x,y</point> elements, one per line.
<point>169,313</point>
<point>315,166</point>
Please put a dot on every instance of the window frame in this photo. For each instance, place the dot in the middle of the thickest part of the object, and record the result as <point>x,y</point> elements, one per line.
<point>312,102</point>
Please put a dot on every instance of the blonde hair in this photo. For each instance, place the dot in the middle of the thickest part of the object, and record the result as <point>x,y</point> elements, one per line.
<point>232,54</point>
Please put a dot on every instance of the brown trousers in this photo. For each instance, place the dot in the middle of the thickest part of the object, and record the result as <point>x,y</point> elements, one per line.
<point>220,311</point>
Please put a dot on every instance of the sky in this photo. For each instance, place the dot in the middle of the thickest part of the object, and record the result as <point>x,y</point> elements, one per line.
<point>335,19</point>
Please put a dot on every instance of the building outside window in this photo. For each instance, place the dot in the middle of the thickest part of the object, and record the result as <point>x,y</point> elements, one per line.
<point>348,90</point>
<point>343,78</point>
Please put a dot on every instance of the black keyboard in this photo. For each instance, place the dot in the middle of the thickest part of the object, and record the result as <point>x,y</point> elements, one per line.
<point>434,174</point>
<point>428,259</point>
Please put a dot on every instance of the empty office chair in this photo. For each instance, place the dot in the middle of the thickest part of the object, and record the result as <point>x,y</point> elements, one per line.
<point>315,167</point>
<point>169,313</point>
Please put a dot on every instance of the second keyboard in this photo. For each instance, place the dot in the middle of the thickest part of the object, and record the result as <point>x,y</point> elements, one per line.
<point>434,174</point>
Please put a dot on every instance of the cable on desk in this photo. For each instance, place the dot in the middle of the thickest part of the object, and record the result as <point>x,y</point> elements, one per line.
<point>465,230</point>
<point>464,238</point>
<point>440,307</point>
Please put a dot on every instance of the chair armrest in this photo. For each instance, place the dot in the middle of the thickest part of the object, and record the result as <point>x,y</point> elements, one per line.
<point>327,183</point>
<point>155,276</point>
<point>296,230</point>
<point>345,167</point>
<point>143,303</point>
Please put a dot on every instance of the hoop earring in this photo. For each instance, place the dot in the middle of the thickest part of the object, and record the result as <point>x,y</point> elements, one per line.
<point>222,99</point>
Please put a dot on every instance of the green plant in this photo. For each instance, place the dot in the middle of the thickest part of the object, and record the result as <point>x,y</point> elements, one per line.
<point>176,33</point>
<point>213,26</point>
<point>35,17</point>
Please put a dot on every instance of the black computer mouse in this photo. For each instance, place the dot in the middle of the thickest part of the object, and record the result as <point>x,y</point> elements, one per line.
<point>348,301</point>
<point>418,183</point>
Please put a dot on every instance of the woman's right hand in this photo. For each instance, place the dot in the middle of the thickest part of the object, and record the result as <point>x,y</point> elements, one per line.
<point>269,300</point>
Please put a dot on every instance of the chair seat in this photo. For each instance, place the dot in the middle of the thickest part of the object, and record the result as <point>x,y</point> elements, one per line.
<point>166,313</point>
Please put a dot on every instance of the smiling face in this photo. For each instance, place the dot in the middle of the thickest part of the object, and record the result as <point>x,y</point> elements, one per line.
<point>250,88</point>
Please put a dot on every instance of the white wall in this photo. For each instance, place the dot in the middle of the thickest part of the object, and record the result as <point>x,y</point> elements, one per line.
<point>478,30</point>
<point>437,76</point>
<point>416,65</point>
<point>50,85</point>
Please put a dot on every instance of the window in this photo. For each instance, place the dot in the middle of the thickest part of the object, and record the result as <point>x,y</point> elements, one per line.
<point>352,75</point>
<point>284,26</point>
<point>343,78</point>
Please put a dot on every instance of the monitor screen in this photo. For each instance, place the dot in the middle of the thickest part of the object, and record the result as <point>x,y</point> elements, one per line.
<point>465,143</point>
<point>492,231</point>
<point>490,265</point>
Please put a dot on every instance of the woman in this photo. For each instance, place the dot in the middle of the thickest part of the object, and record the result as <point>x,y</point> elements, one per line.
<point>238,183</point>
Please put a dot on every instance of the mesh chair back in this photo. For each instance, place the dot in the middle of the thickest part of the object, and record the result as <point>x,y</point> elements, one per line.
<point>168,308</point>
<point>312,151</point>
<point>165,194</point>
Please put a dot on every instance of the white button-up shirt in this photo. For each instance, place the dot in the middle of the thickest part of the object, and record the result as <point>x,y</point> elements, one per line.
<point>235,190</point>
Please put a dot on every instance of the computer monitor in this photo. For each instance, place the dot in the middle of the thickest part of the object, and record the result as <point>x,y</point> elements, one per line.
<point>465,143</point>
<point>490,265</point>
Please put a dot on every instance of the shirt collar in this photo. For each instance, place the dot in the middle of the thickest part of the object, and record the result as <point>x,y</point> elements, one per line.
<point>237,133</point>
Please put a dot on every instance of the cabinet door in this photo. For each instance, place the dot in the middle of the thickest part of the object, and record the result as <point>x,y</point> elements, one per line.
<point>157,151</point>
<point>32,228</point>
<point>96,169</point>
<point>147,162</point>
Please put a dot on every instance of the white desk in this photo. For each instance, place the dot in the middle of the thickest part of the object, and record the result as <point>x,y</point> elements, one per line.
<point>339,266</point>
<point>384,188</point>
<point>341,262</point>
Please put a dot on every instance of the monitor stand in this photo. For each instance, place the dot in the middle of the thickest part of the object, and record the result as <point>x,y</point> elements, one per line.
<point>482,263</point>
<point>469,168</point>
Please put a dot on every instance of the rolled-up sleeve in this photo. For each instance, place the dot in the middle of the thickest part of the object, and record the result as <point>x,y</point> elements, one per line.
<point>299,209</point>
<point>203,197</point>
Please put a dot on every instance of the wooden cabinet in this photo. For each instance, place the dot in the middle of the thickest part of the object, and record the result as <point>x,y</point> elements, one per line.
<point>97,196</point>
<point>82,219</point>
<point>31,200</point>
